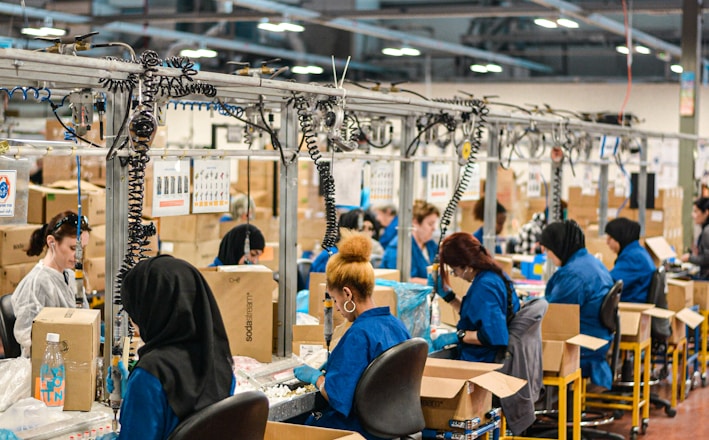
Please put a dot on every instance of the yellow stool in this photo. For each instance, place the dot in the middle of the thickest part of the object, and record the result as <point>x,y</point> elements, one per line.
<point>562,383</point>
<point>678,351</point>
<point>704,334</point>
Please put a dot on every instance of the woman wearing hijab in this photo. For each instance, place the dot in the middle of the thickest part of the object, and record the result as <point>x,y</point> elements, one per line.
<point>350,282</point>
<point>487,306</point>
<point>580,279</point>
<point>634,265</point>
<point>233,249</point>
<point>185,364</point>
<point>700,251</point>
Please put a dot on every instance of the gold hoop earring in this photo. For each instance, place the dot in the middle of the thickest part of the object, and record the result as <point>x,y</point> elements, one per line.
<point>354,306</point>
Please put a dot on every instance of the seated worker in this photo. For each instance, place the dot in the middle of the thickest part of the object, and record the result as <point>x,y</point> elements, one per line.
<point>500,219</point>
<point>423,247</point>
<point>700,251</point>
<point>388,219</point>
<point>527,241</point>
<point>487,305</point>
<point>185,364</point>
<point>51,282</point>
<point>634,264</point>
<point>350,281</point>
<point>580,279</point>
<point>232,249</point>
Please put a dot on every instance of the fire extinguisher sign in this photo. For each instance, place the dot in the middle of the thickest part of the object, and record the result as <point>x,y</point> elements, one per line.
<point>8,183</point>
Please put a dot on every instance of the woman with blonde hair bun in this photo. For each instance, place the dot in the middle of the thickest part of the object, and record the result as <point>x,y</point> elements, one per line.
<point>350,282</point>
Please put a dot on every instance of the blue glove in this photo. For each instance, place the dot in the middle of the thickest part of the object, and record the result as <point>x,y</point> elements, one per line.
<point>109,436</point>
<point>6,434</point>
<point>308,374</point>
<point>124,378</point>
<point>445,339</point>
<point>444,292</point>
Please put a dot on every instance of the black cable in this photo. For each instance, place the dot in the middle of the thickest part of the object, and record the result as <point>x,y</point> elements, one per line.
<point>71,131</point>
<point>364,136</point>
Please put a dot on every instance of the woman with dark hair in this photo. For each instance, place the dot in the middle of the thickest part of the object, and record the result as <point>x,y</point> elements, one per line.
<point>500,219</point>
<point>350,282</point>
<point>51,282</point>
<point>634,264</point>
<point>580,279</point>
<point>487,307</point>
<point>233,249</point>
<point>700,251</point>
<point>185,364</point>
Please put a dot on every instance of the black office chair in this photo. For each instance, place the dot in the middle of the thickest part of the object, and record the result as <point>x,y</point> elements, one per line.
<point>242,415</point>
<point>303,272</point>
<point>7,326</point>
<point>387,399</point>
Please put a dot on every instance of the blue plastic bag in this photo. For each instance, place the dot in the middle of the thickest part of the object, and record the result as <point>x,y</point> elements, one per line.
<point>412,307</point>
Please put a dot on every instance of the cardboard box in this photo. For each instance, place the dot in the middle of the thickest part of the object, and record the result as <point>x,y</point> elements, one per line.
<point>200,254</point>
<point>384,296</point>
<point>14,241</point>
<point>635,320</point>
<point>290,431</point>
<point>387,274</point>
<point>192,227</point>
<point>449,391</point>
<point>97,242</point>
<point>561,339</point>
<point>95,273</point>
<point>10,276</point>
<point>245,301</point>
<point>680,294</point>
<point>79,332</point>
<point>659,249</point>
<point>308,339</point>
<point>701,294</point>
<point>45,202</point>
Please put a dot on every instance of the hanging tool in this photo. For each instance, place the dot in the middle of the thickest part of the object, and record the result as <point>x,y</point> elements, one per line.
<point>327,321</point>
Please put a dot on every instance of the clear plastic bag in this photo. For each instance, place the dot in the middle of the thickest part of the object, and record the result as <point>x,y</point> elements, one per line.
<point>15,377</point>
<point>412,306</point>
<point>29,413</point>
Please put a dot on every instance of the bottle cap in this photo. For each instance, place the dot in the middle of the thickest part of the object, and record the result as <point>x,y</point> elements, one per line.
<point>52,337</point>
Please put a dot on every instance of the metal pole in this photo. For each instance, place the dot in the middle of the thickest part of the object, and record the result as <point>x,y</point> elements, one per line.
<point>603,198</point>
<point>641,190</point>
<point>489,225</point>
<point>406,201</point>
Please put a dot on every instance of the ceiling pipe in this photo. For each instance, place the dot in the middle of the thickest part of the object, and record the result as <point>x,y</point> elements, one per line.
<point>359,27</point>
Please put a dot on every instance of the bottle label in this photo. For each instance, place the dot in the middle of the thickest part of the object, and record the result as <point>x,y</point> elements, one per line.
<point>51,385</point>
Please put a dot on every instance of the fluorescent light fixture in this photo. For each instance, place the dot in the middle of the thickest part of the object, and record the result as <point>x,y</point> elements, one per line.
<point>392,52</point>
<point>622,49</point>
<point>478,68</point>
<point>545,23</point>
<point>198,53</point>
<point>44,31</point>
<point>307,70</point>
<point>266,25</point>
<point>676,68</point>
<point>495,68</point>
<point>567,23</point>
<point>642,49</point>
<point>291,27</point>
<point>410,51</point>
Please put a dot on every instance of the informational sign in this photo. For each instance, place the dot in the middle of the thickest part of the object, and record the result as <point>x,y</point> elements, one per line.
<point>171,186</point>
<point>472,191</point>
<point>210,185</point>
<point>8,188</point>
<point>381,183</point>
<point>348,181</point>
<point>686,94</point>
<point>438,183</point>
<point>534,180</point>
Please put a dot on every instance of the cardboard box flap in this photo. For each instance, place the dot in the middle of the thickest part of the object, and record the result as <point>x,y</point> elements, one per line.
<point>586,341</point>
<point>440,387</point>
<point>660,248</point>
<point>629,323</point>
<point>634,307</point>
<point>689,317</point>
<point>241,268</point>
<point>657,312</point>
<point>455,369</point>
<point>552,354</point>
<point>499,384</point>
<point>561,322</point>
<point>61,315</point>
<point>309,333</point>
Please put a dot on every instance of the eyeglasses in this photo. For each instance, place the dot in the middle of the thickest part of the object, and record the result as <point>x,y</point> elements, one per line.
<point>71,219</point>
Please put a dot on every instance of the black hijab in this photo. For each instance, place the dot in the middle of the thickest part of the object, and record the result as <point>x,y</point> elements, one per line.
<point>563,238</point>
<point>623,230</point>
<point>231,249</point>
<point>186,345</point>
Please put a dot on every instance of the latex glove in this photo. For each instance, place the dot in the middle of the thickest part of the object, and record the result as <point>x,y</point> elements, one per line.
<point>124,378</point>
<point>445,339</point>
<point>308,374</point>
<point>6,434</point>
<point>442,291</point>
<point>109,436</point>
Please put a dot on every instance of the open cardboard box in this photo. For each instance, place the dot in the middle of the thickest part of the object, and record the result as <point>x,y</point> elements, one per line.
<point>680,294</point>
<point>279,430</point>
<point>685,317</point>
<point>461,390</point>
<point>561,339</point>
<point>660,250</point>
<point>635,320</point>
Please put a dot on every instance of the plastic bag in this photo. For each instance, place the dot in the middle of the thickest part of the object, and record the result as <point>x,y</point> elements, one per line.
<point>412,306</point>
<point>29,413</point>
<point>15,377</point>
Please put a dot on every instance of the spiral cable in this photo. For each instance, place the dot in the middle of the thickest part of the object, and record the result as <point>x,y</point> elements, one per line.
<point>555,211</point>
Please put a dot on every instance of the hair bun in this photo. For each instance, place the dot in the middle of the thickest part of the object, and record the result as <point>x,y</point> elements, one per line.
<point>355,247</point>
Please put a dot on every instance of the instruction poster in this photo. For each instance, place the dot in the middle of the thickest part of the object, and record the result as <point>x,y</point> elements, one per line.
<point>438,188</point>
<point>381,182</point>
<point>210,192</point>
<point>8,185</point>
<point>171,187</point>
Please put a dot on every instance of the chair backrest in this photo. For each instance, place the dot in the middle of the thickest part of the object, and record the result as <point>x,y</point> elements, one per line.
<point>660,328</point>
<point>303,272</point>
<point>7,327</point>
<point>388,395</point>
<point>610,318</point>
<point>242,416</point>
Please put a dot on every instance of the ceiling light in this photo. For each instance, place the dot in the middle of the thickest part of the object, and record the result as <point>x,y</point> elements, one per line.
<point>198,53</point>
<point>478,68</point>
<point>392,52</point>
<point>567,23</point>
<point>676,68</point>
<point>495,68</point>
<point>291,27</point>
<point>545,23</point>
<point>622,49</point>
<point>410,51</point>
<point>306,70</point>
<point>44,31</point>
<point>642,49</point>
<point>266,25</point>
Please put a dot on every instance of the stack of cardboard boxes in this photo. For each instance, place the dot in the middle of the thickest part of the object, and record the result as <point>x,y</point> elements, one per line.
<point>193,237</point>
<point>14,262</point>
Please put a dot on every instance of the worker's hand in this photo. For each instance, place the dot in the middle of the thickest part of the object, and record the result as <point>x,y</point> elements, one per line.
<point>444,340</point>
<point>6,434</point>
<point>684,258</point>
<point>442,290</point>
<point>124,378</point>
<point>307,374</point>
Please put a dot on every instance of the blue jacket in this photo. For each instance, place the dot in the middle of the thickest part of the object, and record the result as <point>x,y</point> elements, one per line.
<point>583,280</point>
<point>484,309</point>
<point>389,232</point>
<point>635,267</point>
<point>372,333</point>
<point>479,235</point>
<point>419,262</point>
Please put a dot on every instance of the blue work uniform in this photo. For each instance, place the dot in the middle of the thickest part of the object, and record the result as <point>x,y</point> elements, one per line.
<point>419,262</point>
<point>389,232</point>
<point>484,309</point>
<point>583,280</point>
<point>372,333</point>
<point>635,267</point>
<point>479,235</point>
<point>319,264</point>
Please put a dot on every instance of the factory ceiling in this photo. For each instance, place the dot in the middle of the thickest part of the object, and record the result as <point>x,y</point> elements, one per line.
<point>456,40</point>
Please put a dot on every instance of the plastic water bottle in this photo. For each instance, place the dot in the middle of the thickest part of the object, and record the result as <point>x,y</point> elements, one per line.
<point>52,374</point>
